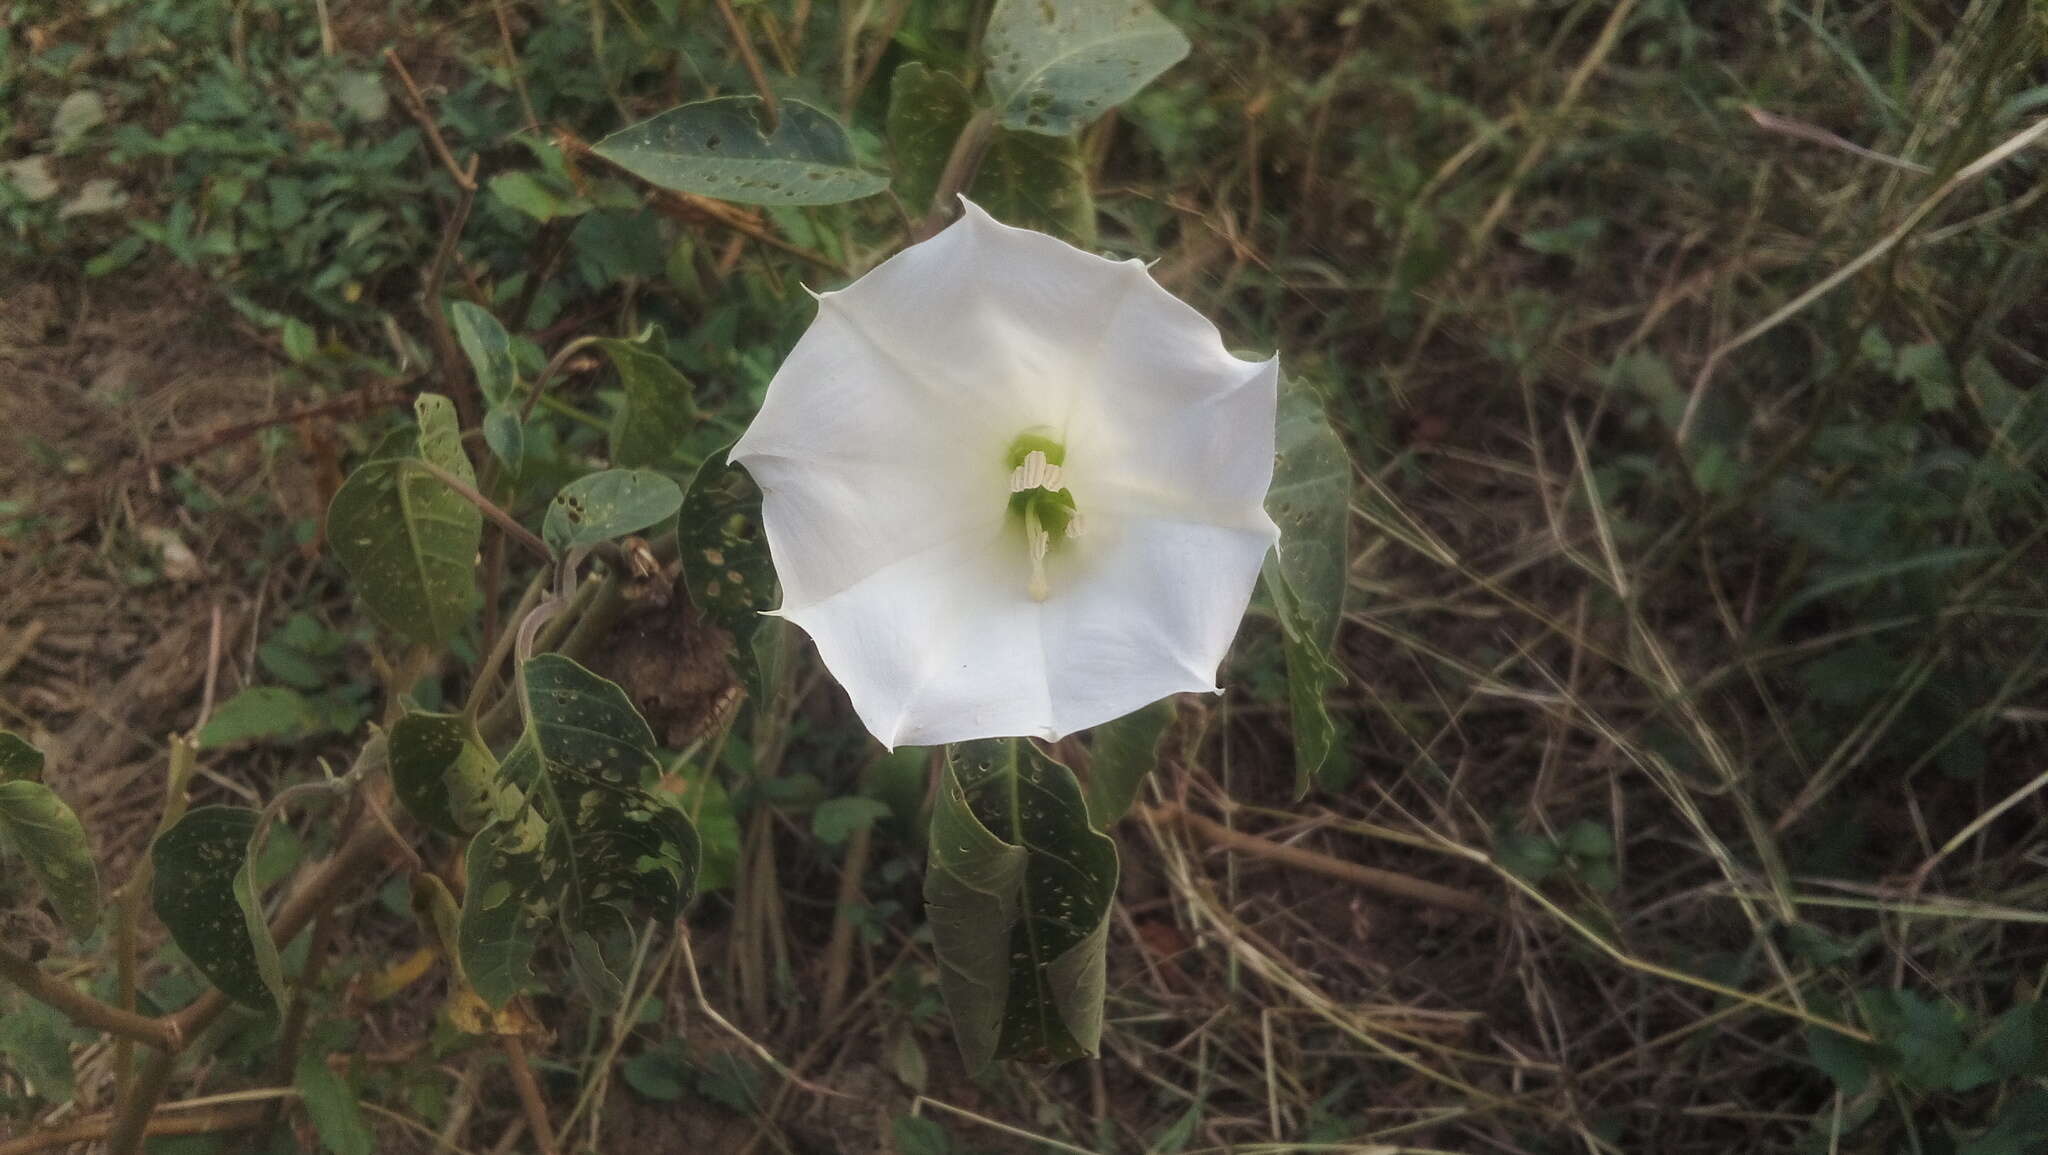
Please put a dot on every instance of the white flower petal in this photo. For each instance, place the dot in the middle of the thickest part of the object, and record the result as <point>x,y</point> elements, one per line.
<point>1152,613</point>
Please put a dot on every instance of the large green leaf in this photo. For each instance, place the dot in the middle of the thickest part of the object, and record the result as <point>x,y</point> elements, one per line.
<point>718,148</point>
<point>1310,500</point>
<point>407,540</point>
<point>489,349</point>
<point>1037,182</point>
<point>612,503</point>
<point>1120,754</point>
<point>1055,65</point>
<point>581,842</point>
<point>19,760</point>
<point>1018,889</point>
<point>1026,179</point>
<point>442,773</point>
<point>724,552</point>
<point>660,408</point>
<point>927,110</point>
<point>38,826</point>
<point>206,898</point>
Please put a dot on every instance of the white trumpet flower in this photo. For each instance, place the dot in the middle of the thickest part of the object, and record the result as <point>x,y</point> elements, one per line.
<point>1011,488</point>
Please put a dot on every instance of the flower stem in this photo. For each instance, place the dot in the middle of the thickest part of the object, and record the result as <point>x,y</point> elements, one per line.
<point>961,165</point>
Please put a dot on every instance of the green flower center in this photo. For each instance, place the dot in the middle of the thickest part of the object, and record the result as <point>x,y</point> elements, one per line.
<point>1042,506</point>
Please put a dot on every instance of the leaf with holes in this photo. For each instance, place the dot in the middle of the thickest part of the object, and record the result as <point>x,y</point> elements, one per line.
<point>723,551</point>
<point>442,773</point>
<point>489,349</point>
<point>19,760</point>
<point>408,541</point>
<point>927,110</point>
<point>1310,500</point>
<point>720,148</point>
<point>661,407</point>
<point>1018,890</point>
<point>602,506</point>
<point>585,844</point>
<point>46,833</point>
<point>1055,65</point>
<point>1120,754</point>
<point>205,897</point>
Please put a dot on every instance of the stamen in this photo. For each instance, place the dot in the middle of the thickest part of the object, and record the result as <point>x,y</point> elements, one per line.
<point>1035,473</point>
<point>1038,542</point>
<point>1075,528</point>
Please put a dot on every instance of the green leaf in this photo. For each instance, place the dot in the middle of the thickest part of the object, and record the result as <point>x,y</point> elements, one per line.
<point>1310,500</point>
<point>1841,1058</point>
<point>78,114</point>
<point>601,506</point>
<point>505,436</point>
<point>47,834</point>
<point>723,549</point>
<point>1055,65</point>
<point>836,819</point>
<point>332,1106</point>
<point>204,896</point>
<point>917,1135</point>
<point>489,349</point>
<point>259,712</point>
<point>442,773</point>
<point>1037,182</point>
<point>523,192</point>
<point>35,1040</point>
<point>1120,754</point>
<point>407,541</point>
<point>927,110</point>
<point>717,148</point>
<point>581,841</point>
<point>19,761</point>
<point>660,409</point>
<point>1018,890</point>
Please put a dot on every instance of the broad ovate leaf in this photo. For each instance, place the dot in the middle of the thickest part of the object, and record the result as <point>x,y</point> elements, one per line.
<point>581,841</point>
<point>927,110</point>
<point>1120,754</point>
<point>661,406</point>
<point>45,833</point>
<point>726,567</point>
<point>1311,503</point>
<point>1026,179</point>
<point>722,148</point>
<point>408,541</point>
<point>489,349</point>
<point>205,896</point>
<point>1018,889</point>
<point>608,504</point>
<point>1055,65</point>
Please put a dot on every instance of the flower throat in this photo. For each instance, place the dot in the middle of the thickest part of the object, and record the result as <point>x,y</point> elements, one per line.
<point>1041,503</point>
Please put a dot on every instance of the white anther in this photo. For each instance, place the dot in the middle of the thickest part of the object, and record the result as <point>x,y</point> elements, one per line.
<point>1075,528</point>
<point>1035,473</point>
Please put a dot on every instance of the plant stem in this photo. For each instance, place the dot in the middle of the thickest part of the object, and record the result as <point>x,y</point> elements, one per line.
<point>82,1008</point>
<point>769,109</point>
<point>489,508</point>
<point>529,1094</point>
<point>961,165</point>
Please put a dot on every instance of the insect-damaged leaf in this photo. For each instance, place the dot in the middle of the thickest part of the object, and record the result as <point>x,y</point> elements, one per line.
<point>583,844</point>
<point>1310,500</point>
<point>660,408</point>
<point>718,148</point>
<point>1018,890</point>
<point>609,504</point>
<point>407,540</point>
<point>206,898</point>
<point>442,773</point>
<point>1055,65</point>
<point>46,833</point>
<point>725,553</point>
